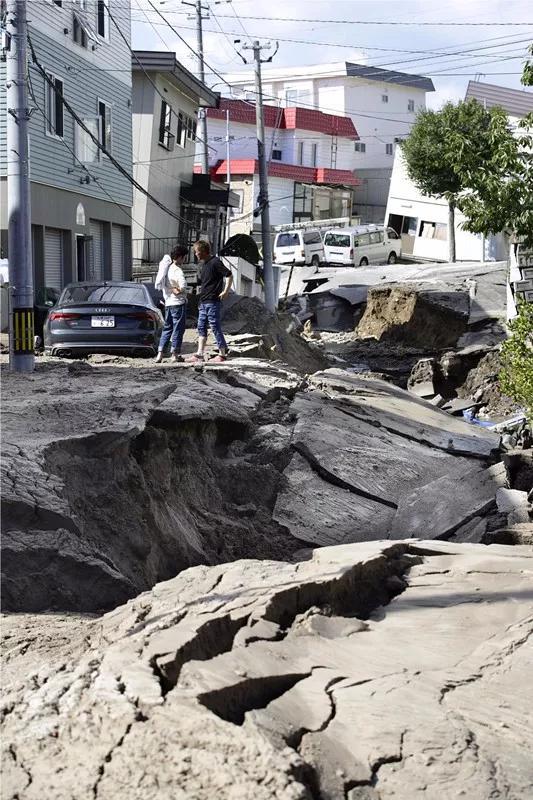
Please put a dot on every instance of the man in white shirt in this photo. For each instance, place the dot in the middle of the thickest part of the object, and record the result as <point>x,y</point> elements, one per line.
<point>171,281</point>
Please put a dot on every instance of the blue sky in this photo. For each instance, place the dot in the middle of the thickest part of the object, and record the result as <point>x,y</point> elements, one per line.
<point>493,52</point>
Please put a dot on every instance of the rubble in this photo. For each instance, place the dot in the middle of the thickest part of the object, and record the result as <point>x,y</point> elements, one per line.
<point>250,680</point>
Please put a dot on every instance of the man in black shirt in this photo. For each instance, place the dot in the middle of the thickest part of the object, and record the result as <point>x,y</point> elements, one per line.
<point>215,283</point>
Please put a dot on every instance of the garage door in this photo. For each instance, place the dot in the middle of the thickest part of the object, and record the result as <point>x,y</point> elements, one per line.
<point>117,252</point>
<point>98,251</point>
<point>53,258</point>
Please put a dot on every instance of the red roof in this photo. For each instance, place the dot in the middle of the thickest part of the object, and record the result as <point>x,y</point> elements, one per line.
<point>306,119</point>
<point>249,166</point>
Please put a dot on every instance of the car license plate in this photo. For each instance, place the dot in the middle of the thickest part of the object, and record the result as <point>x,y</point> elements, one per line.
<point>102,322</point>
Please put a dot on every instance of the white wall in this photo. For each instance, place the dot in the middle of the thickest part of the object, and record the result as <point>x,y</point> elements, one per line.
<point>406,200</point>
<point>160,171</point>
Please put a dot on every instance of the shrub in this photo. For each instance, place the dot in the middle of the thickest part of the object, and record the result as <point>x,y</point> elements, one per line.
<point>516,376</point>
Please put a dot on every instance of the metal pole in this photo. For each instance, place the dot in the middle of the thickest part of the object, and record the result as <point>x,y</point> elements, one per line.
<point>228,175</point>
<point>21,321</point>
<point>201,75</point>
<point>268,272</point>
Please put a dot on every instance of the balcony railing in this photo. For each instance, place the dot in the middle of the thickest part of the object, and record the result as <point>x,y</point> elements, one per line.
<point>151,251</point>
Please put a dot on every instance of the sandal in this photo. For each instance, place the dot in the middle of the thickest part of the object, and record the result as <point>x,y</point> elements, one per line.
<point>217,359</point>
<point>195,359</point>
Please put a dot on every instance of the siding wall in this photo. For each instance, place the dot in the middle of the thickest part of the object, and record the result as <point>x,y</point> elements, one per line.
<point>86,80</point>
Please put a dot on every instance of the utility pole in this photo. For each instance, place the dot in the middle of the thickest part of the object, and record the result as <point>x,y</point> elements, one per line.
<point>270,295</point>
<point>228,172</point>
<point>202,118</point>
<point>21,317</point>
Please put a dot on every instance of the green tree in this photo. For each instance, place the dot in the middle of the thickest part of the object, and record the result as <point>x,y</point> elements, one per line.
<point>498,196</point>
<point>516,376</point>
<point>446,149</point>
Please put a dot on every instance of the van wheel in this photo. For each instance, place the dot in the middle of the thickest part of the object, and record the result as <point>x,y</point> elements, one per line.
<point>392,259</point>
<point>363,262</point>
<point>315,261</point>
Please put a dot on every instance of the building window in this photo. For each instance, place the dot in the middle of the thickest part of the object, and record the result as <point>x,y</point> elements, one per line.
<point>384,98</point>
<point>433,230</point>
<point>54,106</point>
<point>82,29</point>
<point>360,147</point>
<point>85,148</point>
<point>102,19</point>
<point>180,133</point>
<point>236,211</point>
<point>79,34</point>
<point>410,105</point>
<point>300,152</point>
<point>105,125</point>
<point>389,149</point>
<point>58,3</point>
<point>166,138</point>
<point>276,155</point>
<point>291,97</point>
<point>191,128</point>
<point>314,152</point>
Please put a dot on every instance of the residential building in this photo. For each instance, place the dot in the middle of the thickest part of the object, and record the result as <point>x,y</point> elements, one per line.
<point>422,221</point>
<point>382,103</point>
<point>80,201</point>
<point>166,102</point>
<point>309,154</point>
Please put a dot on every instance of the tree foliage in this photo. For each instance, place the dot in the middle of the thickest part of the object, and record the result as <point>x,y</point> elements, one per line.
<point>499,195</point>
<point>516,377</point>
<point>447,150</point>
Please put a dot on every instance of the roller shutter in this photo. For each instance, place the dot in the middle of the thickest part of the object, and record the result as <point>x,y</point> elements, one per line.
<point>117,252</point>
<point>97,251</point>
<point>53,258</point>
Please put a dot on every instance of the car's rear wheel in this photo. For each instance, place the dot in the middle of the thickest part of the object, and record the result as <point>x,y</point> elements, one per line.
<point>315,261</point>
<point>363,262</point>
<point>392,259</point>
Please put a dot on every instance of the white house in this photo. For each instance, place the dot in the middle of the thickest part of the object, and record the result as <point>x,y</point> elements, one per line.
<point>310,153</point>
<point>382,104</point>
<point>166,98</point>
<point>422,221</point>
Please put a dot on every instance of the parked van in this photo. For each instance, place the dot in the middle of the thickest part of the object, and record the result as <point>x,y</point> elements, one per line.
<point>299,247</point>
<point>362,245</point>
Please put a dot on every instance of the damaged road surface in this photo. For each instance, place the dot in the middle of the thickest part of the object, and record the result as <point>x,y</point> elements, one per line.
<point>369,671</point>
<point>115,479</point>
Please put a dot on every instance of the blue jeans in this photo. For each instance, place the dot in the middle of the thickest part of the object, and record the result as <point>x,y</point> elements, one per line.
<point>210,313</point>
<point>175,318</point>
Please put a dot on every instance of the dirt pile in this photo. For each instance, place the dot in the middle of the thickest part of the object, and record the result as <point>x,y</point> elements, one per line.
<point>278,338</point>
<point>415,317</point>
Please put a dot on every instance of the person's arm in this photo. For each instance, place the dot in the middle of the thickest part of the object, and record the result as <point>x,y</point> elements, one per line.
<point>162,272</point>
<point>181,288</point>
<point>227,286</point>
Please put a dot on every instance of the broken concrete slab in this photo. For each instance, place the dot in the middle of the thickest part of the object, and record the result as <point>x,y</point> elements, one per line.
<point>439,508</point>
<point>275,717</point>
<point>395,410</point>
<point>508,500</point>
<point>421,381</point>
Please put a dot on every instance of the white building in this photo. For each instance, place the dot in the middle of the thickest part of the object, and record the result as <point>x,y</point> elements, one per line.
<point>382,104</point>
<point>166,98</point>
<point>422,221</point>
<point>310,153</point>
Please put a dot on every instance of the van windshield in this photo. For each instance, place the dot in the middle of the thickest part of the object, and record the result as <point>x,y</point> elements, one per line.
<point>288,240</point>
<point>337,240</point>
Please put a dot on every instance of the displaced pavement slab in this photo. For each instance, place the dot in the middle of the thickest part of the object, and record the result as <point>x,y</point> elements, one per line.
<point>397,411</point>
<point>369,670</point>
<point>439,508</point>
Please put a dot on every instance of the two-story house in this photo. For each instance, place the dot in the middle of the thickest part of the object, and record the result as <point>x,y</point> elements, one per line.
<point>308,151</point>
<point>382,104</point>
<point>80,200</point>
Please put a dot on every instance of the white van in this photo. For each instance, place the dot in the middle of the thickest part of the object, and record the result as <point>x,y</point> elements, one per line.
<point>299,247</point>
<point>362,245</point>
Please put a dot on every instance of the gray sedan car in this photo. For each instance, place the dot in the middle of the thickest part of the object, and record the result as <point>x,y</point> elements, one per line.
<point>103,317</point>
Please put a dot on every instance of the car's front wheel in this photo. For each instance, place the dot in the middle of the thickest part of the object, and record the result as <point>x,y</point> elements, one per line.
<point>392,259</point>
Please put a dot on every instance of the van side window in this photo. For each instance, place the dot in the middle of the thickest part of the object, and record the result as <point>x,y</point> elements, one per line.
<point>313,237</point>
<point>391,233</point>
<point>376,237</point>
<point>362,240</point>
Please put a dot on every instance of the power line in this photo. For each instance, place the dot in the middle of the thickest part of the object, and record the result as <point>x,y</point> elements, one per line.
<point>379,22</point>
